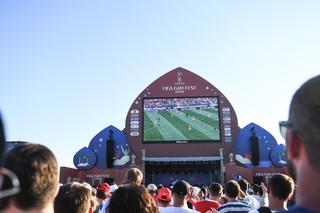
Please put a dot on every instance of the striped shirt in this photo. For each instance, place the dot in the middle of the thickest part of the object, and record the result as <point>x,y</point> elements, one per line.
<point>234,207</point>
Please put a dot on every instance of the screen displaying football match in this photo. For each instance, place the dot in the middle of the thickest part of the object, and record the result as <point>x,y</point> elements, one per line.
<point>181,119</point>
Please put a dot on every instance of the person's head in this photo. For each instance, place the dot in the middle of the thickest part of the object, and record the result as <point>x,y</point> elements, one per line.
<point>257,189</point>
<point>74,198</point>
<point>215,190</point>
<point>103,192</point>
<point>152,189</point>
<point>164,196</point>
<point>37,170</point>
<point>109,180</point>
<point>281,187</point>
<point>243,184</point>
<point>195,190</point>
<point>132,198</point>
<point>303,135</point>
<point>203,194</point>
<point>159,186</point>
<point>232,189</point>
<point>180,190</point>
<point>133,175</point>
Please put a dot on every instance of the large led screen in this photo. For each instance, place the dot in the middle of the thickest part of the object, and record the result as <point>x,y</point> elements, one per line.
<point>187,119</point>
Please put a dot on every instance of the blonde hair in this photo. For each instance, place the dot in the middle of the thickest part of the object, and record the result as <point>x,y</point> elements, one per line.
<point>133,175</point>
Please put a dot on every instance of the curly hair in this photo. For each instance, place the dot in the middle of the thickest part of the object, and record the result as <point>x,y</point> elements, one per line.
<point>37,170</point>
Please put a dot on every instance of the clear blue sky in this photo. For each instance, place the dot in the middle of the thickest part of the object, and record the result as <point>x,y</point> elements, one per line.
<point>68,69</point>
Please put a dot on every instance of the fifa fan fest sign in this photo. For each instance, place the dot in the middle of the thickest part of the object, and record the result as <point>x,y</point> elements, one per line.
<point>179,86</point>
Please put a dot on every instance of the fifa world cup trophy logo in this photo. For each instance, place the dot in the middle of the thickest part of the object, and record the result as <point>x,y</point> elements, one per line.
<point>179,77</point>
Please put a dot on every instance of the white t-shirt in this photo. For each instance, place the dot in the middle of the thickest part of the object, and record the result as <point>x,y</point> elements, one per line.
<point>251,201</point>
<point>173,209</point>
<point>257,197</point>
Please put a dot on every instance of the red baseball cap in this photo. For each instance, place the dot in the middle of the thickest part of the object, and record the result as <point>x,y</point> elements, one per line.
<point>164,194</point>
<point>104,187</point>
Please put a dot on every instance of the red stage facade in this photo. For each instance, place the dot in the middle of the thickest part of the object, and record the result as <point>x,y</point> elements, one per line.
<point>178,127</point>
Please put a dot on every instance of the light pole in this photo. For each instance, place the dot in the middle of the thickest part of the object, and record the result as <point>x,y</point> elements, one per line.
<point>222,169</point>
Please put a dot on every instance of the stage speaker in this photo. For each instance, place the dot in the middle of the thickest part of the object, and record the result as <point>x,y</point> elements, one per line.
<point>254,140</point>
<point>110,153</point>
<point>110,150</point>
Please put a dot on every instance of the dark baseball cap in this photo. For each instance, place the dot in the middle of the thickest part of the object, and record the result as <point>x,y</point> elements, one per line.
<point>181,187</point>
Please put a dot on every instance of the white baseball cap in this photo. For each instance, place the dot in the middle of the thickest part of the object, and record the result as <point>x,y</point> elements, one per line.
<point>152,187</point>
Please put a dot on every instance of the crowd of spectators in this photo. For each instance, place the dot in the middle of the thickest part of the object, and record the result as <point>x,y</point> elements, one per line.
<point>37,170</point>
<point>29,182</point>
<point>174,103</point>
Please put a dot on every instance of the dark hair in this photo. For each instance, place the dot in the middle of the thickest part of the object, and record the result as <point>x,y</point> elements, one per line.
<point>73,197</point>
<point>232,189</point>
<point>304,116</point>
<point>181,188</point>
<point>204,190</point>
<point>37,170</point>
<point>101,194</point>
<point>257,189</point>
<point>281,186</point>
<point>132,198</point>
<point>243,185</point>
<point>215,189</point>
<point>109,180</point>
<point>160,186</point>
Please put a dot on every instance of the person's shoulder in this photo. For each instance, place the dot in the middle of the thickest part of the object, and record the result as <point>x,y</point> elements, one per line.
<point>299,210</point>
<point>257,197</point>
<point>208,201</point>
<point>246,200</point>
<point>191,211</point>
<point>253,202</point>
<point>165,209</point>
<point>235,205</point>
<point>207,204</point>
